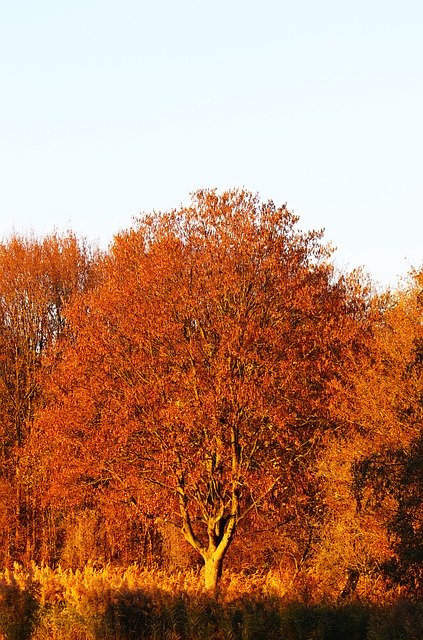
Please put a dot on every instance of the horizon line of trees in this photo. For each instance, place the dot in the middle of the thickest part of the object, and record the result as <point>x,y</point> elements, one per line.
<point>211,391</point>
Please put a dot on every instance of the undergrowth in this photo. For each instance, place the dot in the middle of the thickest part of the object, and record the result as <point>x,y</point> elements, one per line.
<point>132,603</point>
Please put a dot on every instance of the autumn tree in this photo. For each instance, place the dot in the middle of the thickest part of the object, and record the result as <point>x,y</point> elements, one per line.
<point>37,279</point>
<point>203,370</point>
<point>353,544</point>
<point>389,404</point>
<point>370,471</point>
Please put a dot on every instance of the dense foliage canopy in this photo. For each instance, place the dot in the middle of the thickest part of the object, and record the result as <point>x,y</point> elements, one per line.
<point>210,381</point>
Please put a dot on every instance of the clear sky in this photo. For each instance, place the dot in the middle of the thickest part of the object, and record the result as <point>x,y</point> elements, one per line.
<point>112,108</point>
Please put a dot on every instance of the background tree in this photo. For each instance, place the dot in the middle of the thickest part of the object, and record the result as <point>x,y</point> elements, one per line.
<point>204,368</point>
<point>37,279</point>
<point>388,476</point>
<point>352,543</point>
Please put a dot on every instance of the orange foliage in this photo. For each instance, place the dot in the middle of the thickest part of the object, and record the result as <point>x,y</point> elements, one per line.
<point>37,279</point>
<point>204,366</point>
<point>211,377</point>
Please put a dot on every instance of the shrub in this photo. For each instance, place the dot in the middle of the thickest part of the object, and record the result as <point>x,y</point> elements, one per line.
<point>18,604</point>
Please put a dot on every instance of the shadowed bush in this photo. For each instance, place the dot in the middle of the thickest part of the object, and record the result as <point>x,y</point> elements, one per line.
<point>329,622</point>
<point>18,605</point>
<point>402,621</point>
<point>129,618</point>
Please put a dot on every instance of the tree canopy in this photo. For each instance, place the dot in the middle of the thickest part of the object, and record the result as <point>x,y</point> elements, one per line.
<point>204,366</point>
<point>210,387</point>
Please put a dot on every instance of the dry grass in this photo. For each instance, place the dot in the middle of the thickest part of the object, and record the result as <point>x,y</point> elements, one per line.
<point>112,603</point>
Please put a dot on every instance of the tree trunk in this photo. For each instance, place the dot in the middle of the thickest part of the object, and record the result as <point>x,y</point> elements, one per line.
<point>213,566</point>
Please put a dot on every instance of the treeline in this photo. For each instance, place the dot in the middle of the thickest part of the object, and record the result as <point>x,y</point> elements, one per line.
<point>211,389</point>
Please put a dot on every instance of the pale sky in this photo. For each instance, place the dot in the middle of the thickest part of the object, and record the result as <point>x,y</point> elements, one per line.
<point>112,108</point>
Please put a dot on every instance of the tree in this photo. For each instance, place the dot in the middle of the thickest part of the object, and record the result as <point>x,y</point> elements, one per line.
<point>389,402</point>
<point>353,543</point>
<point>37,279</point>
<point>204,368</point>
